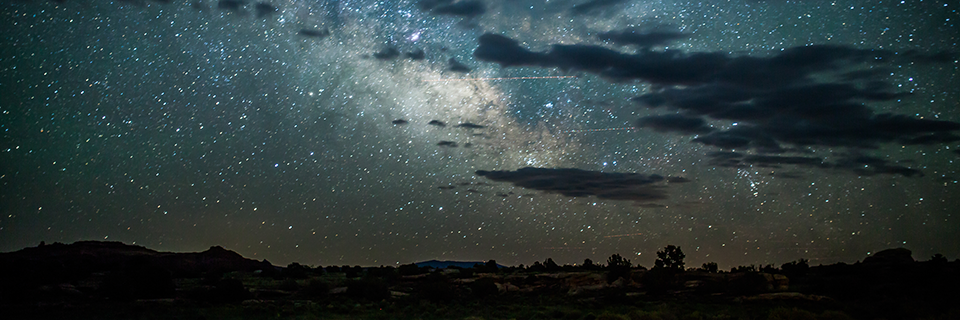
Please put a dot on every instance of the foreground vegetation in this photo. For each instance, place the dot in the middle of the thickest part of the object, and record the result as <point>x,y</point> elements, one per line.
<point>888,285</point>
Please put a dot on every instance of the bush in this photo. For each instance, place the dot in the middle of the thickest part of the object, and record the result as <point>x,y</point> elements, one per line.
<point>229,290</point>
<point>315,288</point>
<point>352,272</point>
<point>368,289</point>
<point>710,267</point>
<point>617,267</point>
<point>411,270</point>
<point>796,269</point>
<point>294,271</point>
<point>643,315</point>
<point>436,288</point>
<point>791,314</point>
<point>138,279</point>
<point>611,316</point>
<point>748,283</point>
<point>289,285</point>
<point>484,287</point>
<point>659,280</point>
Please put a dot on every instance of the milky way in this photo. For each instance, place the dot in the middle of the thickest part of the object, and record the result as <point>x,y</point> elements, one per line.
<point>376,133</point>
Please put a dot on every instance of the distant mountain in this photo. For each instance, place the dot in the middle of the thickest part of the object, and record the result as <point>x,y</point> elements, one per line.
<point>71,261</point>
<point>436,264</point>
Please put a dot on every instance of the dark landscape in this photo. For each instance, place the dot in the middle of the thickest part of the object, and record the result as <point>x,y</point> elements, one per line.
<point>113,280</point>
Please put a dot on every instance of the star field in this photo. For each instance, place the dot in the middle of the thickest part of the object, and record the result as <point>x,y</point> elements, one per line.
<point>183,125</point>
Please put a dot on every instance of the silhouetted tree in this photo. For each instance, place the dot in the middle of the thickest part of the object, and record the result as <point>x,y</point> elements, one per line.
<point>938,259</point>
<point>617,261</point>
<point>750,268</point>
<point>411,270</point>
<point>671,257</point>
<point>588,264</point>
<point>294,271</point>
<point>386,273</point>
<point>769,269</point>
<point>617,267</point>
<point>352,272</point>
<point>537,267</point>
<point>710,267</point>
<point>491,267</point>
<point>550,265</point>
<point>795,269</point>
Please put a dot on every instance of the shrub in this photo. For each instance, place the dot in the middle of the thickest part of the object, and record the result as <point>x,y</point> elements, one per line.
<point>643,315</point>
<point>659,280</point>
<point>289,285</point>
<point>617,267</point>
<point>138,279</point>
<point>611,316</point>
<point>229,290</point>
<point>315,288</point>
<point>368,289</point>
<point>790,314</point>
<point>352,272</point>
<point>294,271</point>
<point>436,288</point>
<point>796,269</point>
<point>484,287</point>
<point>710,267</point>
<point>411,270</point>
<point>748,283</point>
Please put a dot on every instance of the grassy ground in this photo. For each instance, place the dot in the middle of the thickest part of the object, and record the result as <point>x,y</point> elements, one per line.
<point>310,299</point>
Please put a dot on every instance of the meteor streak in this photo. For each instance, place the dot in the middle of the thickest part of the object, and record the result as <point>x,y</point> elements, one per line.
<point>623,235</point>
<point>494,79</point>
<point>601,129</point>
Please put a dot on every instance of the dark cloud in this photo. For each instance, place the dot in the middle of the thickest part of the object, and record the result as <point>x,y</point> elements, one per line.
<point>427,5</point>
<point>639,38</point>
<point>593,6</point>
<point>580,183</point>
<point>231,5</point>
<point>791,66</point>
<point>445,143</point>
<point>466,8</point>
<point>264,9</point>
<point>416,55</point>
<point>314,33</point>
<point>456,66</point>
<point>790,101</point>
<point>507,52</point>
<point>869,166</point>
<point>786,175</point>
<point>675,123</point>
<point>388,53</point>
<point>469,125</point>
<point>858,164</point>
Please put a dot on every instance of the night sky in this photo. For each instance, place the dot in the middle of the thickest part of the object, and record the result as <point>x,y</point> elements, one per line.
<point>362,132</point>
